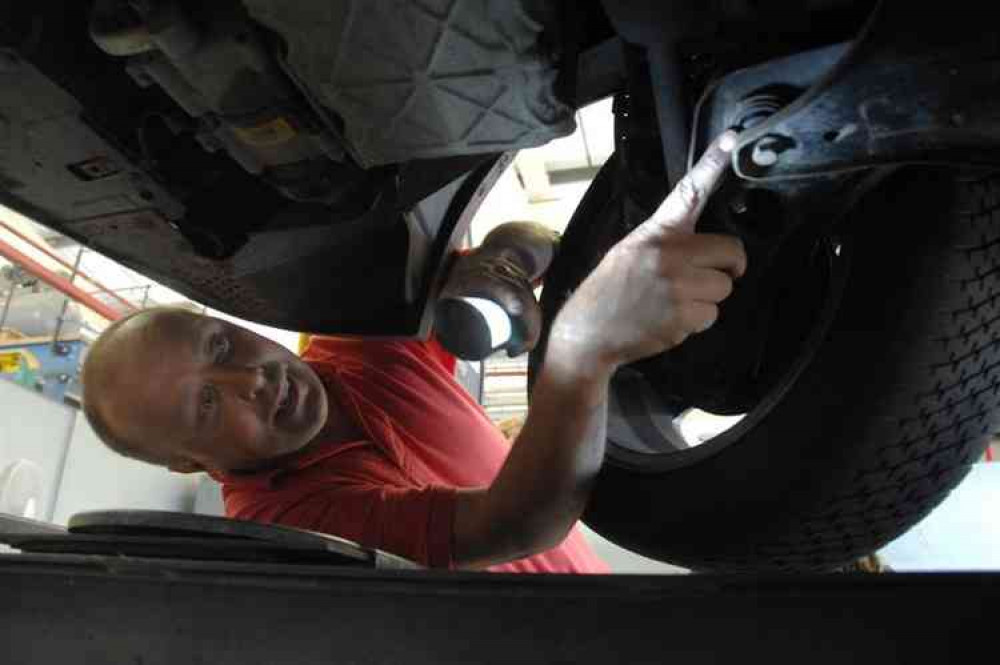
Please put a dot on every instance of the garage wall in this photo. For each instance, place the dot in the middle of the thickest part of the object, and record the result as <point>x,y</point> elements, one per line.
<point>623,561</point>
<point>96,479</point>
<point>35,428</point>
<point>961,534</point>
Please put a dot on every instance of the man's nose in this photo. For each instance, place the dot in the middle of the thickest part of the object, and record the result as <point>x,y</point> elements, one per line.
<point>242,382</point>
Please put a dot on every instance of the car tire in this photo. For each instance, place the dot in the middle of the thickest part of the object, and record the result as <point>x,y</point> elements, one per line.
<point>898,401</point>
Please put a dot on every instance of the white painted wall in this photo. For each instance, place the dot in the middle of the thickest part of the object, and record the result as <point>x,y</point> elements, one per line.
<point>623,561</point>
<point>37,429</point>
<point>98,479</point>
<point>961,534</point>
<point>208,497</point>
<point>78,472</point>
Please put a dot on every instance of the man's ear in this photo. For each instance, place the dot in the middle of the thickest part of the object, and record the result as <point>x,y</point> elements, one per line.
<point>186,466</point>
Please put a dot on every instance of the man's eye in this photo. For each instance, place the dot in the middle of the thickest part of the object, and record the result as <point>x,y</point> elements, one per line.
<point>221,347</point>
<point>206,400</point>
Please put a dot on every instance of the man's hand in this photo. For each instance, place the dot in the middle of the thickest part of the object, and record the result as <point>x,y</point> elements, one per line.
<point>512,257</point>
<point>659,285</point>
<point>650,292</point>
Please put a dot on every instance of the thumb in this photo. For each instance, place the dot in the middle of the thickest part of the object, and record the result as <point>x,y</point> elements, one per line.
<point>682,207</point>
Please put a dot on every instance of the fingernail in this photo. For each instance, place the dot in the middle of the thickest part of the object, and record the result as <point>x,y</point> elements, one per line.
<point>727,142</point>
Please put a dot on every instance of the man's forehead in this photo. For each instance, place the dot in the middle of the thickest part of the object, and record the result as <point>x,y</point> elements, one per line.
<point>145,336</point>
<point>160,343</point>
<point>152,372</point>
<point>165,323</point>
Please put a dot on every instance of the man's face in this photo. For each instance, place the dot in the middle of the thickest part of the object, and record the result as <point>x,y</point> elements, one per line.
<point>206,394</point>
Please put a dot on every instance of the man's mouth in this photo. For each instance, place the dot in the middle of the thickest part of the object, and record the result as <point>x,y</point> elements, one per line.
<point>288,402</point>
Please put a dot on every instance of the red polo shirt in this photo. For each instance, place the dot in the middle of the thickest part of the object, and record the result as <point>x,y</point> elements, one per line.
<point>395,489</point>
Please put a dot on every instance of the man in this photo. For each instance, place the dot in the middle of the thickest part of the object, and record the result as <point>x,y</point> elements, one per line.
<point>376,442</point>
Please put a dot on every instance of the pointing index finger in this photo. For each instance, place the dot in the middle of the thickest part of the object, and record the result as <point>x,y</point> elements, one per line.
<point>682,207</point>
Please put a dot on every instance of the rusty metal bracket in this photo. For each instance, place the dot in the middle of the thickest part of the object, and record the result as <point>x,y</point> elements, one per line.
<point>921,84</point>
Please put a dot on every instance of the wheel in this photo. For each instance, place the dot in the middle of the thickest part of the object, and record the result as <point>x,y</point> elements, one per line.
<point>883,417</point>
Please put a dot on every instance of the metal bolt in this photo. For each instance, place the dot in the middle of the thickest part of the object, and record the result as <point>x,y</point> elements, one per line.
<point>767,150</point>
<point>764,154</point>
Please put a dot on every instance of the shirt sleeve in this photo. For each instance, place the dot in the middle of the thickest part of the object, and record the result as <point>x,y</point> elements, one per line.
<point>415,523</point>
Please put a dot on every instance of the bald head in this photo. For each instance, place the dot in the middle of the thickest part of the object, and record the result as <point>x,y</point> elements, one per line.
<point>193,393</point>
<point>106,375</point>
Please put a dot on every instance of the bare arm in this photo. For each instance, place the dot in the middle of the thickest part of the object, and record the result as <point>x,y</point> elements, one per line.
<point>542,488</point>
<point>541,491</point>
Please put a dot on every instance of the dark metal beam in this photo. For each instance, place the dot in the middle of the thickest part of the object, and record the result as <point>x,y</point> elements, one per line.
<point>123,610</point>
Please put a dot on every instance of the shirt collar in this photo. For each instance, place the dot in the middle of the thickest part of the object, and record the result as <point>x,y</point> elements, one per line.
<point>268,478</point>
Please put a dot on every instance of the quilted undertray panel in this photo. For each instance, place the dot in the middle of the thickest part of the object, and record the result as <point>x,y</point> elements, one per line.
<point>425,78</point>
